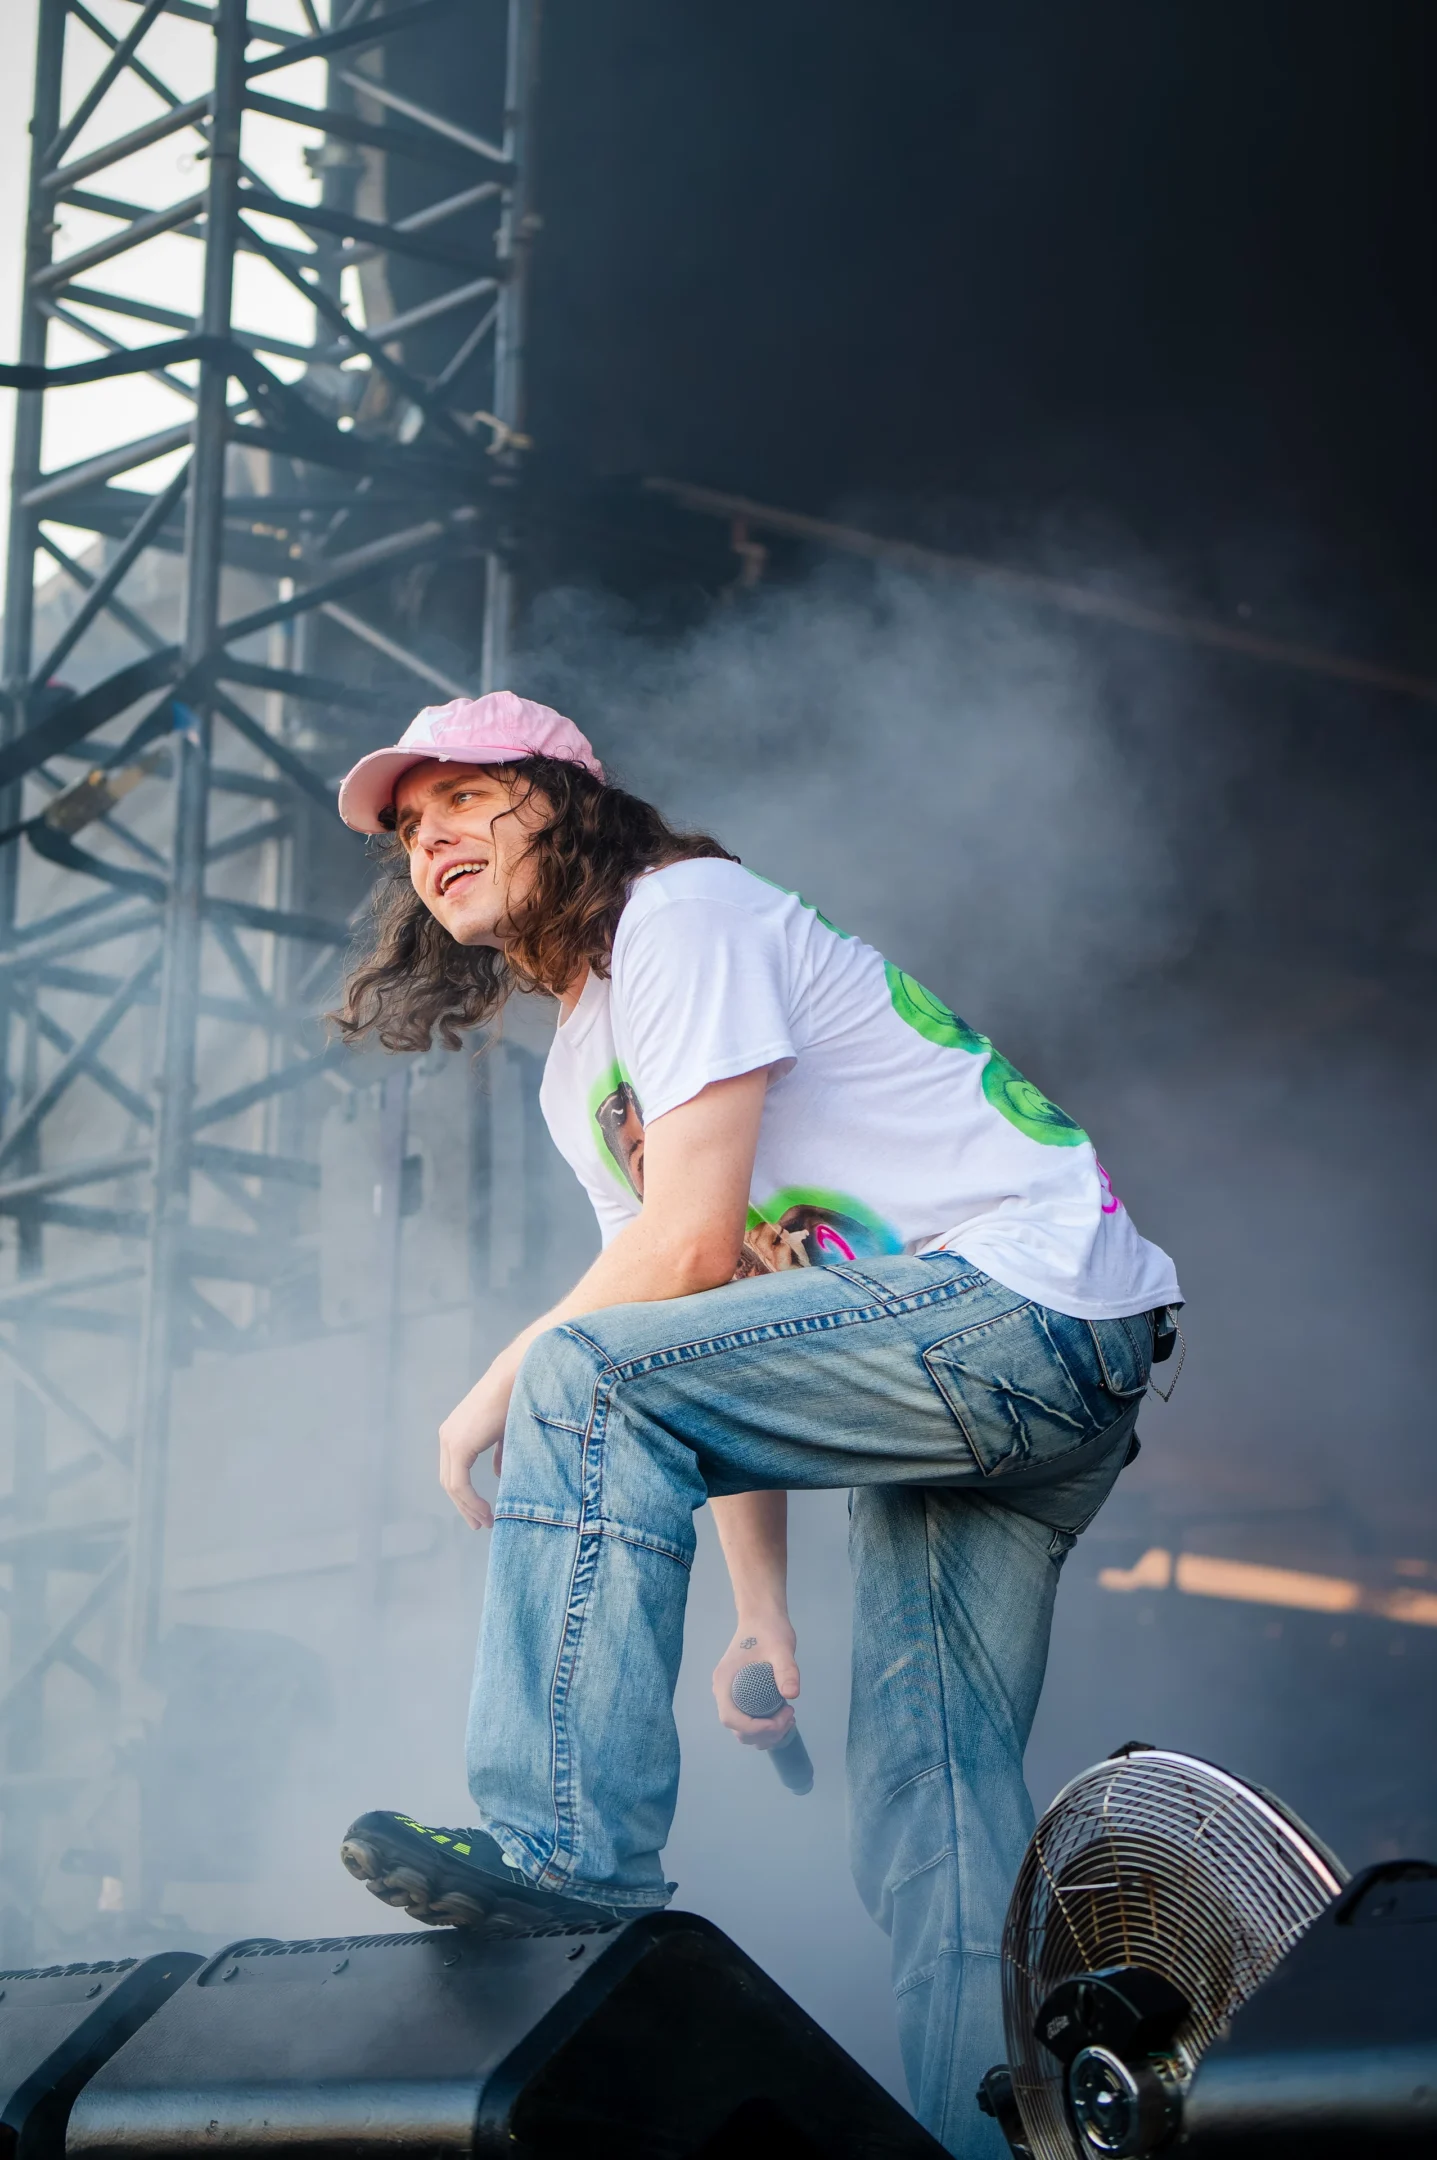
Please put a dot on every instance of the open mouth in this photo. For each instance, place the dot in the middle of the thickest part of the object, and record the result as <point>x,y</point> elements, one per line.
<point>457,872</point>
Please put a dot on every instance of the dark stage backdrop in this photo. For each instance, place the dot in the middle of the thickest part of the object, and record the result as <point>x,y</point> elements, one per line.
<point>992,265</point>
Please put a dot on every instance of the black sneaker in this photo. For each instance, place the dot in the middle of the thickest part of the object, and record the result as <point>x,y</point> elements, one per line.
<point>456,1878</point>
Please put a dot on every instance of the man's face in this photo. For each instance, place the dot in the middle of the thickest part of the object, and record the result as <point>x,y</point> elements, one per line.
<point>466,835</point>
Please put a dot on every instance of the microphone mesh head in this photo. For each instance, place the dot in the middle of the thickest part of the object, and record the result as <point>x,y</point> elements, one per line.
<point>755,1691</point>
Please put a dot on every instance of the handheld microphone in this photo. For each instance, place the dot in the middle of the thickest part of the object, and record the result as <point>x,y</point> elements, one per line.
<point>755,1691</point>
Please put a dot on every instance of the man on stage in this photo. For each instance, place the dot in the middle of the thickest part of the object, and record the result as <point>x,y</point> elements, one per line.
<point>845,1244</point>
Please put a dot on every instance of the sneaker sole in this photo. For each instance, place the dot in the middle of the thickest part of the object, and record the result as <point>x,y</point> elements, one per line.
<point>398,1879</point>
<point>423,1895</point>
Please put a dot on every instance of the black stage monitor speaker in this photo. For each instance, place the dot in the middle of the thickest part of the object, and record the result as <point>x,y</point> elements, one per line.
<point>654,2040</point>
<point>1335,2056</point>
<point>57,2026</point>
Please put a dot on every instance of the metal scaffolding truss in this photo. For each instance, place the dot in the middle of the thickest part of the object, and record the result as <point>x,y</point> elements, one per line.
<point>164,936</point>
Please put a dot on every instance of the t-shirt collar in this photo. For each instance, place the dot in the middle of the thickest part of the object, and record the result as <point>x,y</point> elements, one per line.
<point>591,1001</point>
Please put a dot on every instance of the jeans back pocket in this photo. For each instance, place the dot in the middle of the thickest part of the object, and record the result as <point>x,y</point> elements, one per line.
<point>1028,1386</point>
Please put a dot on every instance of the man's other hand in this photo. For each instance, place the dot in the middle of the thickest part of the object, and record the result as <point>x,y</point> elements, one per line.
<point>474,1426</point>
<point>758,1642</point>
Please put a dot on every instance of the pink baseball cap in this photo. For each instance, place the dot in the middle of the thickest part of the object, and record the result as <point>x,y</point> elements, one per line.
<point>497,729</point>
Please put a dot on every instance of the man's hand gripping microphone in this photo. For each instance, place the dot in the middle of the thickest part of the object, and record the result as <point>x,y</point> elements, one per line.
<point>754,1691</point>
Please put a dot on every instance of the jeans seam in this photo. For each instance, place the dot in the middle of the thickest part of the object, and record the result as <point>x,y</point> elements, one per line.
<point>533,1512</point>
<point>925,1973</point>
<point>945,1709</point>
<point>586,1556</point>
<point>918,1775</point>
<point>591,1532</point>
<point>914,1300</point>
<point>586,1553</point>
<point>739,1339</point>
<point>646,1543</point>
<point>769,1331</point>
<point>949,1852</point>
<point>644,1540</point>
<point>989,1320</point>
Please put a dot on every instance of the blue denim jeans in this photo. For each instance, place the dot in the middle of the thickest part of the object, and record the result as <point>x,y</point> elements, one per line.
<point>980,1432</point>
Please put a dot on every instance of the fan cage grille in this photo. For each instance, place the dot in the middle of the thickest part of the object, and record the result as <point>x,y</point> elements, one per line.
<point>1161,1860</point>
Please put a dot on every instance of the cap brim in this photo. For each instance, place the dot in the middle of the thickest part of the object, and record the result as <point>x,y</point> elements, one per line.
<point>367,790</point>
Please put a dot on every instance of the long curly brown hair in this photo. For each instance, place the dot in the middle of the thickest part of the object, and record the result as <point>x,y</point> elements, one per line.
<point>411,980</point>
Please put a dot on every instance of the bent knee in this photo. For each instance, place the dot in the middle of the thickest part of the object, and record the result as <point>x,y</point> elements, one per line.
<point>556,1379</point>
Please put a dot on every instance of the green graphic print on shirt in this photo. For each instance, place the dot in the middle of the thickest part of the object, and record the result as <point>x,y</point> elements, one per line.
<point>800,1226</point>
<point>1011,1095</point>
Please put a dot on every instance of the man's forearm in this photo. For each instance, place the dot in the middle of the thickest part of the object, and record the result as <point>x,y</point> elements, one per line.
<point>698,1169</point>
<point>753,1531</point>
<point>638,1267</point>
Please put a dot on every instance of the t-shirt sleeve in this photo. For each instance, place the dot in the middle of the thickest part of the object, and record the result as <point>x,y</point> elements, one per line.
<point>701,993</point>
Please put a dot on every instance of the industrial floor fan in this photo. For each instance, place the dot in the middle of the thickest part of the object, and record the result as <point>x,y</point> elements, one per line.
<point>1158,1895</point>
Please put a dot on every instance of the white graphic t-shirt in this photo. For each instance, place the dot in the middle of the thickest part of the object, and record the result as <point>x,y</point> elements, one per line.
<point>889,1125</point>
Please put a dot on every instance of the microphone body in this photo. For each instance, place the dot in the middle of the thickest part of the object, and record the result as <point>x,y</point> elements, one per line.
<point>755,1692</point>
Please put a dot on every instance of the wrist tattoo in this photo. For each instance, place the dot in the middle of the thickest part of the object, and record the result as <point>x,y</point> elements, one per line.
<point>750,1642</point>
